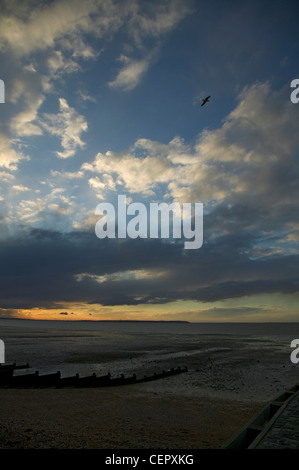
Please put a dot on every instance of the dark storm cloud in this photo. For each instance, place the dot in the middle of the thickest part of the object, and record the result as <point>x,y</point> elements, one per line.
<point>41,269</point>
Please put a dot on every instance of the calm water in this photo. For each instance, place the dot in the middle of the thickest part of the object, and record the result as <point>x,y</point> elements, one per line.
<point>286,329</point>
<point>124,347</point>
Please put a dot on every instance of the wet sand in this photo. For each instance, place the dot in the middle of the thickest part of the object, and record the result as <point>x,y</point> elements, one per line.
<point>225,386</point>
<point>200,409</point>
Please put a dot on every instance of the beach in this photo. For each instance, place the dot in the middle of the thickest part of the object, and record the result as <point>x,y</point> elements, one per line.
<point>122,418</point>
<point>230,378</point>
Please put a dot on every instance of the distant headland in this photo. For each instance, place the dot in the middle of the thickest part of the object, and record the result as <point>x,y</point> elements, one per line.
<point>97,321</point>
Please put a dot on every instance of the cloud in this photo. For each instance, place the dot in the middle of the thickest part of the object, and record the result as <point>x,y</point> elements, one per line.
<point>27,28</point>
<point>157,19</point>
<point>131,73</point>
<point>23,123</point>
<point>54,210</point>
<point>20,188</point>
<point>136,175</point>
<point>120,276</point>
<point>245,171</point>
<point>40,26</point>
<point>58,64</point>
<point>60,31</point>
<point>67,175</point>
<point>9,157</point>
<point>68,125</point>
<point>42,42</point>
<point>43,268</point>
<point>6,177</point>
<point>102,185</point>
<point>147,25</point>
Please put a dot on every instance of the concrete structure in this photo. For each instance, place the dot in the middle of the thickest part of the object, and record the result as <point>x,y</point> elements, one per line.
<point>275,427</point>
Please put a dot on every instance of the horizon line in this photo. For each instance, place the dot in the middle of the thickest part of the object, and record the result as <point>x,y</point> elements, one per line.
<point>144,321</point>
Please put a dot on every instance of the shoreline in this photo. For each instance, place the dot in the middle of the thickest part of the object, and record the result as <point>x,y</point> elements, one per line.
<point>230,378</point>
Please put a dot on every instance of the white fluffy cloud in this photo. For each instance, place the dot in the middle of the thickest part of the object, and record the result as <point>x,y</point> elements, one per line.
<point>146,26</point>
<point>43,41</point>
<point>250,146</point>
<point>131,73</point>
<point>135,175</point>
<point>68,125</point>
<point>39,26</point>
<point>20,188</point>
<point>54,210</point>
<point>9,157</point>
<point>249,162</point>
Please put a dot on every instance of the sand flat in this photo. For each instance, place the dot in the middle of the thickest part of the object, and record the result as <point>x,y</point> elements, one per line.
<point>230,378</point>
<point>118,418</point>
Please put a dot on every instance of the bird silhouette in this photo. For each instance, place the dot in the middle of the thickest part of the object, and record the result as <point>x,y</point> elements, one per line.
<point>205,100</point>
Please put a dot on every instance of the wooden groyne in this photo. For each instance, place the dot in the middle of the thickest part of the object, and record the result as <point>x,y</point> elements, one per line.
<point>35,380</point>
<point>7,370</point>
<point>13,366</point>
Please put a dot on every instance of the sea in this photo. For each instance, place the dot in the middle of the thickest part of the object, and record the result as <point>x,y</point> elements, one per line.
<point>141,347</point>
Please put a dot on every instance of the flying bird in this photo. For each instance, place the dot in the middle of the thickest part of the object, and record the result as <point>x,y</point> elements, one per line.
<point>205,100</point>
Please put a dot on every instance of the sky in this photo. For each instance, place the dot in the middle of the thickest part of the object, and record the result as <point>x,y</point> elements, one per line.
<point>103,98</point>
